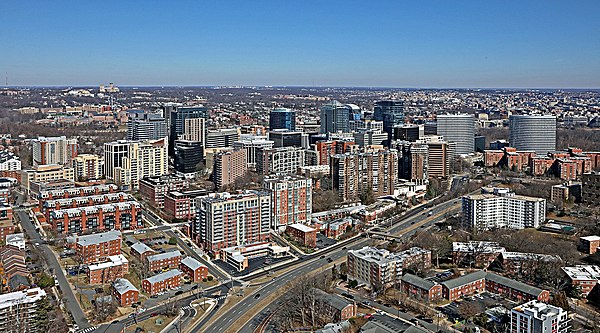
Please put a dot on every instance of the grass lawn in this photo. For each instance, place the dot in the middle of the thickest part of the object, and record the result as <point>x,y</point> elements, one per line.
<point>149,325</point>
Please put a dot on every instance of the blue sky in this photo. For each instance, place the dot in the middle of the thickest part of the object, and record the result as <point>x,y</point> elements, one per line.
<point>325,43</point>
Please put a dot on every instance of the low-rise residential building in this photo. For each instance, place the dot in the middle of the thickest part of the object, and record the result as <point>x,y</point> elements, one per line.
<point>13,268</point>
<point>420,288</point>
<point>302,234</point>
<point>335,229</point>
<point>237,256</point>
<point>182,205</point>
<point>525,264</point>
<point>590,189</point>
<point>17,310</point>
<point>537,317</point>
<point>194,269</point>
<point>7,226</point>
<point>379,268</point>
<point>480,281</point>
<point>339,307</point>
<point>116,267</point>
<point>171,259</point>
<point>162,282</point>
<point>583,277</point>
<point>140,251</point>
<point>501,208</point>
<point>120,216</point>
<point>475,253</point>
<point>465,285</point>
<point>98,247</point>
<point>589,244</point>
<point>125,292</point>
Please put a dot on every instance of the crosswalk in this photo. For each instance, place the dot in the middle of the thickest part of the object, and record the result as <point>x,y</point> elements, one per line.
<point>186,307</point>
<point>86,330</point>
<point>220,298</point>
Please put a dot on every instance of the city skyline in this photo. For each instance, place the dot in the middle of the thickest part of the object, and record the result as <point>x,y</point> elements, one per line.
<point>548,44</point>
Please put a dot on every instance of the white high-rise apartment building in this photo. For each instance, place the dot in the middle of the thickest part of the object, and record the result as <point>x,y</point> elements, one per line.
<point>252,144</point>
<point>500,208</point>
<point>88,166</point>
<point>126,162</point>
<point>538,317</point>
<point>54,150</point>
<point>17,310</point>
<point>533,132</point>
<point>459,129</point>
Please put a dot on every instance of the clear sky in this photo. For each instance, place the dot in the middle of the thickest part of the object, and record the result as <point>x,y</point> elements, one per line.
<point>395,43</point>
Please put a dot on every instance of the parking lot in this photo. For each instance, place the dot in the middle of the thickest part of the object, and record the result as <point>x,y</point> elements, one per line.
<point>478,303</point>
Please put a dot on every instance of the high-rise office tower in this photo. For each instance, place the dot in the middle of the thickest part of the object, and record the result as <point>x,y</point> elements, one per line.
<point>334,117</point>
<point>391,112</point>
<point>126,162</point>
<point>459,129</point>
<point>178,123</point>
<point>533,132</point>
<point>222,138</point>
<point>281,118</point>
<point>285,138</point>
<point>413,159</point>
<point>54,150</point>
<point>146,126</point>
<point>188,154</point>
<point>406,132</point>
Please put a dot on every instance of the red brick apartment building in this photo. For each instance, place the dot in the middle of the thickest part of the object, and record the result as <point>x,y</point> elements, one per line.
<point>125,293</point>
<point>420,288</point>
<point>108,271</point>
<point>302,234</point>
<point>154,189</point>
<point>76,202</point>
<point>161,282</point>
<point>465,285</point>
<point>341,308</point>
<point>98,247</point>
<point>589,244</point>
<point>75,192</point>
<point>194,269</point>
<point>120,216</point>
<point>157,262</point>
<point>586,277</point>
<point>141,251</point>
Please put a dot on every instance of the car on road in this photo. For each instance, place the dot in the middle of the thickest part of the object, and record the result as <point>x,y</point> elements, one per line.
<point>347,295</point>
<point>329,260</point>
<point>344,248</point>
<point>322,257</point>
<point>256,296</point>
<point>178,292</point>
<point>154,314</point>
<point>194,287</point>
<point>154,296</point>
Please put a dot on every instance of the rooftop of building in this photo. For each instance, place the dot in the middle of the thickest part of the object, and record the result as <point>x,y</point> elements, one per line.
<point>13,238</point>
<point>98,238</point>
<point>529,256</point>
<point>21,297</point>
<point>335,301</point>
<point>465,279</point>
<point>75,190</point>
<point>477,247</point>
<point>164,276</point>
<point>301,227</point>
<point>163,256</point>
<point>192,263</point>
<point>418,281</point>
<point>113,261</point>
<point>123,285</point>
<point>140,247</point>
<point>165,179</point>
<point>111,207</point>
<point>592,238</point>
<point>583,272</point>
<point>513,284</point>
<point>93,198</point>
<point>496,193</point>
<point>538,309</point>
<point>382,257</point>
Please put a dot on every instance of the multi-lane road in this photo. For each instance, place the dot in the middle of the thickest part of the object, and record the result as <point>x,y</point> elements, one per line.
<point>235,316</point>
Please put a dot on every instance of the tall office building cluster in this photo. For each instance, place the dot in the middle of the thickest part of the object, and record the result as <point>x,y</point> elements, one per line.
<point>533,133</point>
<point>458,129</point>
<point>224,220</point>
<point>428,157</point>
<point>146,126</point>
<point>54,150</point>
<point>500,208</point>
<point>373,171</point>
<point>335,117</point>
<point>127,162</point>
<point>391,113</point>
<point>187,123</point>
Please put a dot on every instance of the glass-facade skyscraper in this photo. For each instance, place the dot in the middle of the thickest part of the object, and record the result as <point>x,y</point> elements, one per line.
<point>460,129</point>
<point>391,112</point>
<point>281,118</point>
<point>178,117</point>
<point>335,117</point>
<point>533,132</point>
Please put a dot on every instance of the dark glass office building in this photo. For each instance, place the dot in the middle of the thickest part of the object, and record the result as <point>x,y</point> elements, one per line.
<point>335,117</point>
<point>282,119</point>
<point>187,155</point>
<point>391,113</point>
<point>177,121</point>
